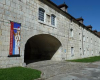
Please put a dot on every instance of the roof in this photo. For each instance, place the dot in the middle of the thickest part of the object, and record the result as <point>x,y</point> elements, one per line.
<point>98,33</point>
<point>78,19</point>
<point>63,5</point>
<point>71,17</point>
<point>89,27</point>
<point>94,30</point>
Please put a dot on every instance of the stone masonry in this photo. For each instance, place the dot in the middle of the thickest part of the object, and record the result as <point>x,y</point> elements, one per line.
<point>26,13</point>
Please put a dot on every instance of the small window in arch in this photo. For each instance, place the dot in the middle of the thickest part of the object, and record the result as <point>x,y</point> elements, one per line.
<point>41,14</point>
<point>53,19</point>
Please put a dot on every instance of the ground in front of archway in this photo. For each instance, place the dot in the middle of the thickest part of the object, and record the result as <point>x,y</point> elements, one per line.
<point>63,70</point>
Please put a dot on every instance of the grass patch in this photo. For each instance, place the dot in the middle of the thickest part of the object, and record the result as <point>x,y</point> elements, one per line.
<point>19,73</point>
<point>90,59</point>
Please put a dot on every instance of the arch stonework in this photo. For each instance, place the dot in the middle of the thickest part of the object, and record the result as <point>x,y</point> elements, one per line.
<point>43,46</point>
<point>60,54</point>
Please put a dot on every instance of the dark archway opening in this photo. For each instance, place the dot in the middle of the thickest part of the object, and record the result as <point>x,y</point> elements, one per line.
<point>40,47</point>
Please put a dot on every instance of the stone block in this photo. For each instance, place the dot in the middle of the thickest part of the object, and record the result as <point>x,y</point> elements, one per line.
<point>13,5</point>
<point>3,66</point>
<point>9,66</point>
<point>4,32</point>
<point>4,53</point>
<point>6,7</point>
<point>1,6</point>
<point>8,3</point>
<point>3,1</point>
<point>1,16</point>
<point>0,32</point>
<point>7,13</point>
<point>1,10</point>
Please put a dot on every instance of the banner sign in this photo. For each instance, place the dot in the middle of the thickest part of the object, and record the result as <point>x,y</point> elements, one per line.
<point>14,39</point>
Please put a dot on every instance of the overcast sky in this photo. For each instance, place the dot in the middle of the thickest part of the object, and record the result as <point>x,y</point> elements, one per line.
<point>88,9</point>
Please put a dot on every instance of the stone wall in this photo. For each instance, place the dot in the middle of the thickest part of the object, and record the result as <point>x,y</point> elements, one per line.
<point>26,13</point>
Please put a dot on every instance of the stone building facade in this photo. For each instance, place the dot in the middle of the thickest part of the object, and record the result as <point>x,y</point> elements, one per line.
<point>66,37</point>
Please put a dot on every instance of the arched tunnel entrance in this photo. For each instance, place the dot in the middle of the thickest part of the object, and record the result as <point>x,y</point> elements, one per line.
<point>41,47</point>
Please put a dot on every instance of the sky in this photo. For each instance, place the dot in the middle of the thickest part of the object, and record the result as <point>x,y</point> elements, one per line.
<point>89,10</point>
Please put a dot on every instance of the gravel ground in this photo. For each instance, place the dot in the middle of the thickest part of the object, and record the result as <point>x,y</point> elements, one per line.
<point>52,70</point>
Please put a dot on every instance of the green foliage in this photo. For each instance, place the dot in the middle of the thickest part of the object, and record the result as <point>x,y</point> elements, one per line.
<point>19,73</point>
<point>90,59</point>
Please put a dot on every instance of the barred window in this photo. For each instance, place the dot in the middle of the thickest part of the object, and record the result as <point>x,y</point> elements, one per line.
<point>41,14</point>
<point>53,19</point>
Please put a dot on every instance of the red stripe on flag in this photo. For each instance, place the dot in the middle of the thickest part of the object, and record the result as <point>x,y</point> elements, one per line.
<point>11,39</point>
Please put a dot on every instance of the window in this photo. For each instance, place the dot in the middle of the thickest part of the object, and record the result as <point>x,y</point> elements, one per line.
<point>84,38</point>
<point>48,18</point>
<point>71,20</point>
<point>92,52</point>
<point>95,42</point>
<point>80,36</point>
<point>41,14</point>
<point>80,51</point>
<point>96,51</point>
<point>91,40</point>
<point>65,50</point>
<point>84,52</point>
<point>71,32</point>
<point>72,51</point>
<point>87,39</point>
<point>53,19</point>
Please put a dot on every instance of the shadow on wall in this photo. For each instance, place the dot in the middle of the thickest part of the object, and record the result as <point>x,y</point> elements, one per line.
<point>40,47</point>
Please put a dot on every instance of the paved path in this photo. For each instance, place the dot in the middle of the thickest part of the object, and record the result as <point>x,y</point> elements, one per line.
<point>67,70</point>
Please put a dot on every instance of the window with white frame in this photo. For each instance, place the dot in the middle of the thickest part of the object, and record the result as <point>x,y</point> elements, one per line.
<point>72,51</point>
<point>53,18</point>
<point>71,32</point>
<point>41,14</point>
